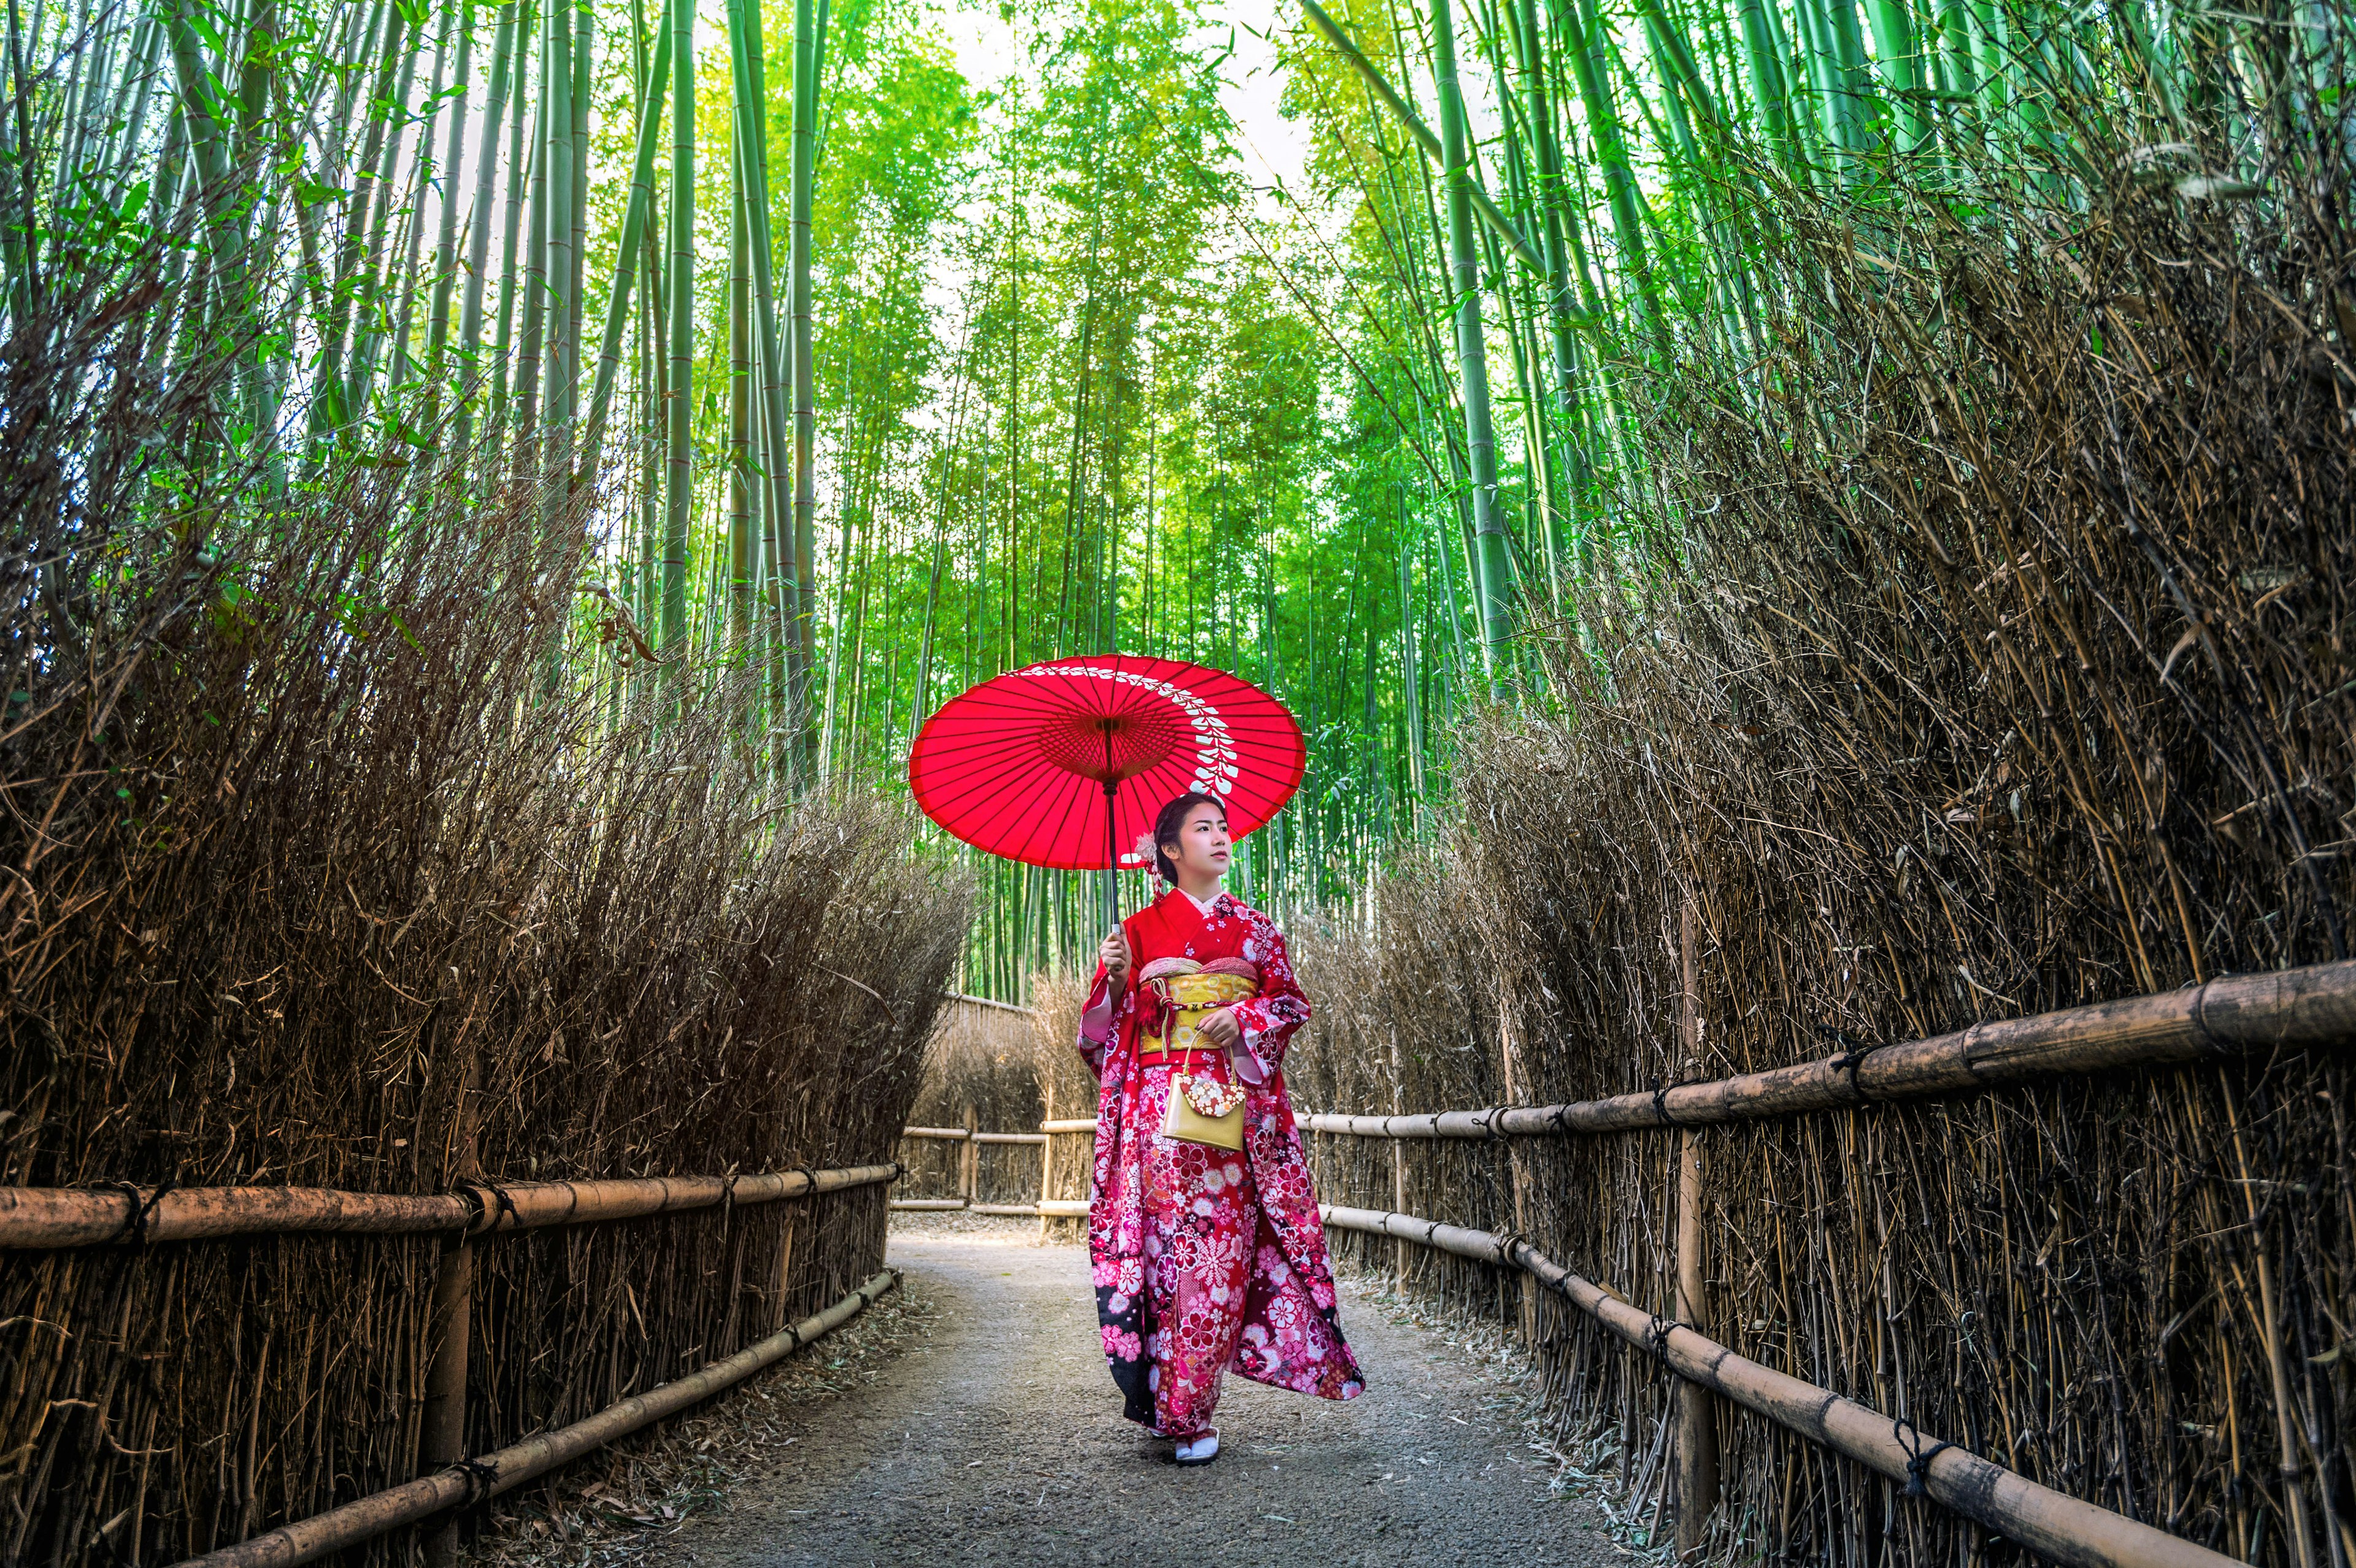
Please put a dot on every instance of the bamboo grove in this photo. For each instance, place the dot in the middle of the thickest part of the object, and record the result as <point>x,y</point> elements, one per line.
<point>873,380</point>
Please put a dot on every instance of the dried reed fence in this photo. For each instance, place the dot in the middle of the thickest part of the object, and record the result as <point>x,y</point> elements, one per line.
<point>325,869</point>
<point>1005,1116</point>
<point>2000,664</point>
<point>979,1074</point>
<point>1067,1093</point>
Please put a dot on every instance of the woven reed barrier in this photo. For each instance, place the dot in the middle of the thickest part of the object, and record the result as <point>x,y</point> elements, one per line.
<point>2055,1526</point>
<point>491,1474</point>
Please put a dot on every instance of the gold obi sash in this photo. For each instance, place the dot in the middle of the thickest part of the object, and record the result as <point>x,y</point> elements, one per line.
<point>1201,1110</point>
<point>1188,996</point>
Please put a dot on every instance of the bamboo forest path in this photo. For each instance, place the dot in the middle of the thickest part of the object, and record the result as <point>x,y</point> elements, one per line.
<point>997,1437</point>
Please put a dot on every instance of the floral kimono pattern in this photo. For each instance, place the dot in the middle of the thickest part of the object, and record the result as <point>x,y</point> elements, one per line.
<point>1204,1259</point>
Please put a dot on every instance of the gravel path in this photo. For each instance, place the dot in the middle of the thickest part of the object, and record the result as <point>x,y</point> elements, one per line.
<point>998,1438</point>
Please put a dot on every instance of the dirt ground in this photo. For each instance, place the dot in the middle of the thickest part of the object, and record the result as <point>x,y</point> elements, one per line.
<point>994,1435</point>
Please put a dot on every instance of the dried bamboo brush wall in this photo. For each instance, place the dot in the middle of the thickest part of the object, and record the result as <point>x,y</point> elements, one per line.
<point>2001,664</point>
<point>318,883</point>
<point>1069,1092</point>
<point>978,1072</point>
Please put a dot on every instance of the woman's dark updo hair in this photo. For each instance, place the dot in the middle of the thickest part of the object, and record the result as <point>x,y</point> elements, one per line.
<point>1171,821</point>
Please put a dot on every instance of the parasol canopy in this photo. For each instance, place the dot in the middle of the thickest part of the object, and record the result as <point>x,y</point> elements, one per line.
<point>1056,763</point>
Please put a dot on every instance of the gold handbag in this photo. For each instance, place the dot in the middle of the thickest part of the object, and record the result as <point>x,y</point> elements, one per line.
<point>1182,1121</point>
<point>1186,1000</point>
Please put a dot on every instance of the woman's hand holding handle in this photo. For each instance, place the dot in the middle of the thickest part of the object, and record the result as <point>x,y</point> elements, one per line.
<point>1221,1030</point>
<point>1114,956</point>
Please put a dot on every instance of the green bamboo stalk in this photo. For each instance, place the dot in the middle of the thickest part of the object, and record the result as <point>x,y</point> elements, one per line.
<point>1619,178</point>
<point>654,406</point>
<point>1494,586</point>
<point>1495,221</point>
<point>1771,94</point>
<point>412,221</point>
<point>1551,196</point>
<point>478,233</point>
<point>556,259</point>
<point>807,67</point>
<point>627,261</point>
<point>527,367</point>
<point>1900,64</point>
<point>584,49</point>
<point>523,161</point>
<point>445,242</point>
<point>680,474</point>
<point>369,215</point>
<point>741,551</point>
<point>785,579</point>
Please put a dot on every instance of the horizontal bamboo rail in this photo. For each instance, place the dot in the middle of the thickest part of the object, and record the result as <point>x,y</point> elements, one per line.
<point>1070,1124</point>
<point>1010,1137</point>
<point>2232,1016</point>
<point>947,1135</point>
<point>306,1541</point>
<point>2051,1523</point>
<point>1051,1207</point>
<point>53,1217</point>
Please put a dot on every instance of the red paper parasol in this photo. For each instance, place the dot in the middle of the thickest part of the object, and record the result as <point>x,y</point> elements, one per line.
<point>1026,765</point>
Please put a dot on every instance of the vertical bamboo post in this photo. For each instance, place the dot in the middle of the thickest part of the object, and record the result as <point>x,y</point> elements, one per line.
<point>1518,1092</point>
<point>1046,1159</point>
<point>1399,1206</point>
<point>442,1435</point>
<point>442,1426</point>
<point>969,1160</point>
<point>783,1314</point>
<point>1697,1459</point>
<point>1399,1163</point>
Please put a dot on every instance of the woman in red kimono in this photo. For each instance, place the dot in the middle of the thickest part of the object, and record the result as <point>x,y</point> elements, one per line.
<point>1203,1258</point>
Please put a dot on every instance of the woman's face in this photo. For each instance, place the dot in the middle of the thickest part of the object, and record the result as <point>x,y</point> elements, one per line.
<point>1202,848</point>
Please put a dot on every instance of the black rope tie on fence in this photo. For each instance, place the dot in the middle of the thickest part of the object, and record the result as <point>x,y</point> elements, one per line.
<point>481,1477</point>
<point>1506,1241</point>
<point>1661,1102</point>
<point>1849,1060</point>
<point>1918,1461</point>
<point>134,1223</point>
<point>1657,1336</point>
<point>499,1203</point>
<point>810,1179</point>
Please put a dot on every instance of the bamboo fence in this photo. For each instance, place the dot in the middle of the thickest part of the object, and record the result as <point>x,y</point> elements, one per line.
<point>2060,1528</point>
<point>442,940</point>
<point>2313,1006</point>
<point>1045,1204</point>
<point>491,1475</point>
